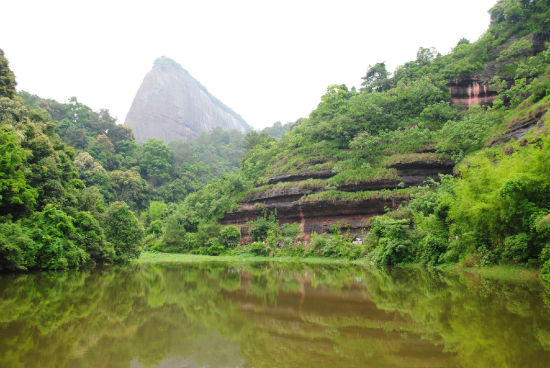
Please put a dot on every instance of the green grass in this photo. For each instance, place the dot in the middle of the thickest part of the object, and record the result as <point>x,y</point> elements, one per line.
<point>150,257</point>
<point>415,157</point>
<point>499,272</point>
<point>505,273</point>
<point>335,195</point>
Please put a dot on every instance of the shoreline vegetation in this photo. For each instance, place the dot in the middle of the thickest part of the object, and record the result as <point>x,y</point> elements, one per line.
<point>501,272</point>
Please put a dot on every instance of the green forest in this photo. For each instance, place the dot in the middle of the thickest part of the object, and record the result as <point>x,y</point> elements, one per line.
<point>76,189</point>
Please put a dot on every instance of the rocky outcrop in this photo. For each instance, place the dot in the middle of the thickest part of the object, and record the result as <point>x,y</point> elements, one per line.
<point>171,105</point>
<point>317,215</point>
<point>540,41</point>
<point>476,89</point>
<point>472,91</point>
<point>416,173</point>
<point>519,129</point>
<point>322,174</point>
<point>273,196</point>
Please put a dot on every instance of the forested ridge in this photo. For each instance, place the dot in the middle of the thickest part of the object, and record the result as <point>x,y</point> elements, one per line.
<point>73,182</point>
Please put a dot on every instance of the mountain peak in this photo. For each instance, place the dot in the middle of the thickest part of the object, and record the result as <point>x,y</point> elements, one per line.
<point>172,105</point>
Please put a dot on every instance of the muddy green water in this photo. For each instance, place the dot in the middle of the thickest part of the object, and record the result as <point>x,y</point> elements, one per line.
<point>270,315</point>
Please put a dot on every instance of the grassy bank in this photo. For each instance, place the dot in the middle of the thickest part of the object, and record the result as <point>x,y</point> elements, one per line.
<point>509,273</point>
<point>150,257</point>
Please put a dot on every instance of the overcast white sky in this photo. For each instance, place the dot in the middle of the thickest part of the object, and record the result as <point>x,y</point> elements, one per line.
<point>267,60</point>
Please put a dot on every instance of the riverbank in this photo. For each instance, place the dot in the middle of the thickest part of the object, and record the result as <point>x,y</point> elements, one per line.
<point>150,257</point>
<point>509,273</point>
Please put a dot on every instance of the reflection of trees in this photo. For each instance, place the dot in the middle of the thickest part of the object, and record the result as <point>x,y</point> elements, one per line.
<point>269,315</point>
<point>488,323</point>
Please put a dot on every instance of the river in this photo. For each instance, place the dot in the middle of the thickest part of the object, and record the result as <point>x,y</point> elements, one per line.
<point>271,315</point>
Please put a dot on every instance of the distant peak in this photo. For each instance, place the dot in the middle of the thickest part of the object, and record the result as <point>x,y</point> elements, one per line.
<point>166,61</point>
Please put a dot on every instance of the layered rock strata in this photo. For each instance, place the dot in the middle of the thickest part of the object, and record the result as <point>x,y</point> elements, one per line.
<point>518,129</point>
<point>291,206</point>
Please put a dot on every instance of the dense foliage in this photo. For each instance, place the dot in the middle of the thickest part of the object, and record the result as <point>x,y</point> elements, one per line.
<point>71,178</point>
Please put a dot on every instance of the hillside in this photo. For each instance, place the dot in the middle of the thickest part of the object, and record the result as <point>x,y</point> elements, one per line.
<point>443,160</point>
<point>171,105</point>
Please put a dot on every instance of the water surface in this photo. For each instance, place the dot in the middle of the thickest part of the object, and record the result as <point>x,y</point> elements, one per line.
<point>270,315</point>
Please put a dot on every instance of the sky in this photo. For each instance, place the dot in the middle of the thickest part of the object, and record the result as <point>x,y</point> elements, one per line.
<point>267,60</point>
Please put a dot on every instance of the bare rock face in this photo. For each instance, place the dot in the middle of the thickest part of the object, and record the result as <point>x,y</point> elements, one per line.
<point>472,91</point>
<point>172,105</point>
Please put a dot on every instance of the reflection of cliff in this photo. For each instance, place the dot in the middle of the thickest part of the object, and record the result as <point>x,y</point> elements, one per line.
<point>269,315</point>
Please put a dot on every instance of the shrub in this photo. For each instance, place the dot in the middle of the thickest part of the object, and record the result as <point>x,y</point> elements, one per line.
<point>431,248</point>
<point>516,248</point>
<point>90,236</point>
<point>259,229</point>
<point>545,271</point>
<point>214,247</point>
<point>17,250</point>
<point>290,230</point>
<point>123,230</point>
<point>230,235</point>
<point>52,233</point>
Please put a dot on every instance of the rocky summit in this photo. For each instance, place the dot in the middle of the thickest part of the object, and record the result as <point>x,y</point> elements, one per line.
<point>172,105</point>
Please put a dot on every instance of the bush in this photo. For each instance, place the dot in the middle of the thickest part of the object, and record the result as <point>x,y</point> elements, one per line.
<point>258,249</point>
<point>230,235</point>
<point>52,233</point>
<point>516,248</point>
<point>290,230</point>
<point>17,250</point>
<point>545,271</point>
<point>333,245</point>
<point>90,237</point>
<point>259,229</point>
<point>389,241</point>
<point>214,247</point>
<point>123,230</point>
<point>431,248</point>
<point>393,252</point>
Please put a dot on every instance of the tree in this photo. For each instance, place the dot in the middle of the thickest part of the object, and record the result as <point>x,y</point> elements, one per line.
<point>123,231</point>
<point>17,249</point>
<point>90,236</point>
<point>7,79</point>
<point>252,138</point>
<point>128,186</point>
<point>156,162</point>
<point>376,79</point>
<point>230,235</point>
<point>53,233</point>
<point>16,195</point>
<point>76,137</point>
<point>120,133</point>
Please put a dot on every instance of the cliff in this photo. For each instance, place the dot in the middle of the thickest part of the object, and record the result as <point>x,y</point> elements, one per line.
<point>172,105</point>
<point>476,89</point>
<point>293,203</point>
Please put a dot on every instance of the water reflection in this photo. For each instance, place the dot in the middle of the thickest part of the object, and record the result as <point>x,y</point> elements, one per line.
<point>270,315</point>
